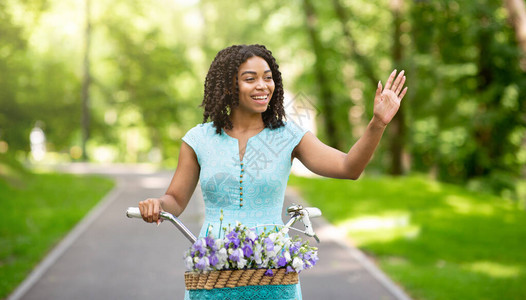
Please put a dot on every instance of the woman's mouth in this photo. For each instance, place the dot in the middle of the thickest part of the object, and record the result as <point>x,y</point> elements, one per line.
<point>260,99</point>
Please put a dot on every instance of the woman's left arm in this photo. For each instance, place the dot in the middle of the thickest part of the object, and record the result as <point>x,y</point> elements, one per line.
<point>327,161</point>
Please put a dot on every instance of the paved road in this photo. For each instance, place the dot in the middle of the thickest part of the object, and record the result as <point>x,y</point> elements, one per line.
<point>108,256</point>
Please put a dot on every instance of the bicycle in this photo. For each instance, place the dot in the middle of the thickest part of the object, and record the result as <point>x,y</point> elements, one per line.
<point>296,213</point>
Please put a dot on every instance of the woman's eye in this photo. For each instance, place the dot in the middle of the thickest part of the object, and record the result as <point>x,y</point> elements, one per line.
<point>268,78</point>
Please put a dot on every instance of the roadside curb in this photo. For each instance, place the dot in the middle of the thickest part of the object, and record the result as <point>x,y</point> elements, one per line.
<point>66,242</point>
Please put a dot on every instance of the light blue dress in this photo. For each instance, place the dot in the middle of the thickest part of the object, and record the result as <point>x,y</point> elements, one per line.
<point>250,191</point>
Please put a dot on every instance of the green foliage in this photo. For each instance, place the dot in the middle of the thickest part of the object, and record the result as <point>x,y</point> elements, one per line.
<point>464,114</point>
<point>467,113</point>
<point>439,241</point>
<point>40,214</point>
<point>12,63</point>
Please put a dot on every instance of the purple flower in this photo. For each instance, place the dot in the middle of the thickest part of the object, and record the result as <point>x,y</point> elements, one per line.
<point>282,261</point>
<point>232,235</point>
<point>200,245</point>
<point>268,242</point>
<point>311,257</point>
<point>247,250</point>
<point>306,256</point>
<point>233,238</point>
<point>236,255</point>
<point>289,269</point>
<point>295,247</point>
<point>202,264</point>
<point>269,272</point>
<point>213,260</point>
<point>210,242</point>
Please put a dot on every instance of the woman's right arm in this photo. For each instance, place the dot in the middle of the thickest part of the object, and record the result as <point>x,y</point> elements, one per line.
<point>179,191</point>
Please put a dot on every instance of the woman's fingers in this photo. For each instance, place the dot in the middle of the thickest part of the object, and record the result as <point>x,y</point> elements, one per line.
<point>397,81</point>
<point>397,84</point>
<point>404,91</point>
<point>377,96</point>
<point>150,209</point>
<point>390,80</point>
<point>400,86</point>
<point>155,213</point>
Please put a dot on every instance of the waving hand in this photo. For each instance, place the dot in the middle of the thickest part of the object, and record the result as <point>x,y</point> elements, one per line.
<point>387,100</point>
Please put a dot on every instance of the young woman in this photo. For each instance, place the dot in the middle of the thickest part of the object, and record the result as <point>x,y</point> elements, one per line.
<point>243,156</point>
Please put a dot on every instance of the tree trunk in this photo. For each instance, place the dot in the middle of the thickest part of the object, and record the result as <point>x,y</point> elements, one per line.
<point>517,12</point>
<point>85,120</point>
<point>397,126</point>
<point>325,93</point>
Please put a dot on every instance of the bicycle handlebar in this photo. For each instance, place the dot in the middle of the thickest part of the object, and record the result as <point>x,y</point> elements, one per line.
<point>296,212</point>
<point>134,212</point>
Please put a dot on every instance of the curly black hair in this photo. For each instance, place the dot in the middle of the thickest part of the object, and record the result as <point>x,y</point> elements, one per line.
<point>221,95</point>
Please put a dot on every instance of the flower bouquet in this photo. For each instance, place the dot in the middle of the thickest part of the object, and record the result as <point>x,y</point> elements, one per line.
<point>243,258</point>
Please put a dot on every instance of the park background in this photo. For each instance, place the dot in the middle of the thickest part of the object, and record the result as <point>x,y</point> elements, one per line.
<point>441,207</point>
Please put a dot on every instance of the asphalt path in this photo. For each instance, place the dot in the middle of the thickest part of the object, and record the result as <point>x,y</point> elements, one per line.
<point>108,256</point>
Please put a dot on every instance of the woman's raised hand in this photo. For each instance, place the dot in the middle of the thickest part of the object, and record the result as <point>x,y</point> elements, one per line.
<point>387,100</point>
<point>150,209</point>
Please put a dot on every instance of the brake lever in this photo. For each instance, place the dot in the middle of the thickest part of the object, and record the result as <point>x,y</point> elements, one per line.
<point>295,211</point>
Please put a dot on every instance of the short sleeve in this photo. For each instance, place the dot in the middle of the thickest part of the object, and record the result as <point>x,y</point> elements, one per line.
<point>296,131</point>
<point>193,138</point>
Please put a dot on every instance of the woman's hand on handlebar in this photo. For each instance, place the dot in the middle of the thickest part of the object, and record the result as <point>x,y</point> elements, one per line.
<point>150,209</point>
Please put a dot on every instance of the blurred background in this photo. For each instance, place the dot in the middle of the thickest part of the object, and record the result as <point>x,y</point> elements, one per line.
<point>121,82</point>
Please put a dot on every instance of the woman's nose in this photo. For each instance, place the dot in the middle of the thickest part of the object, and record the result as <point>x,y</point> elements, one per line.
<point>261,85</point>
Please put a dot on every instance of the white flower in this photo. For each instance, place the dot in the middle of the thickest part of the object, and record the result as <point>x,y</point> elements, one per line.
<point>287,256</point>
<point>241,263</point>
<point>222,255</point>
<point>285,241</point>
<point>273,236</point>
<point>189,263</point>
<point>265,263</point>
<point>297,264</point>
<point>251,235</point>
<point>257,253</point>
<point>219,243</point>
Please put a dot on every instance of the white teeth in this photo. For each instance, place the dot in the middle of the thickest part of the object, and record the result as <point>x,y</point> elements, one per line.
<point>259,97</point>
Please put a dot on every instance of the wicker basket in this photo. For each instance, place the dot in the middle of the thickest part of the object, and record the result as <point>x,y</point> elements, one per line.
<point>235,278</point>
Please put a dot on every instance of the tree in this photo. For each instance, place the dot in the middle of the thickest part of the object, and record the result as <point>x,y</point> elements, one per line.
<point>397,126</point>
<point>326,95</point>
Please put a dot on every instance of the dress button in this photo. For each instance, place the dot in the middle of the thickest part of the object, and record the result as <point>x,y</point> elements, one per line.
<point>241,193</point>
<point>242,170</point>
<point>241,175</point>
<point>240,199</point>
<point>240,187</point>
<point>240,204</point>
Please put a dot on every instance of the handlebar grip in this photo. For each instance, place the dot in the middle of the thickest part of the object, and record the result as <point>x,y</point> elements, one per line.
<point>313,212</point>
<point>133,212</point>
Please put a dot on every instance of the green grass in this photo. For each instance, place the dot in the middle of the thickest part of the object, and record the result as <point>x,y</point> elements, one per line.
<point>438,241</point>
<point>37,210</point>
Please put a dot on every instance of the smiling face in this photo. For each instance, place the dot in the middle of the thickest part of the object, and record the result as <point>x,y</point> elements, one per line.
<point>255,84</point>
